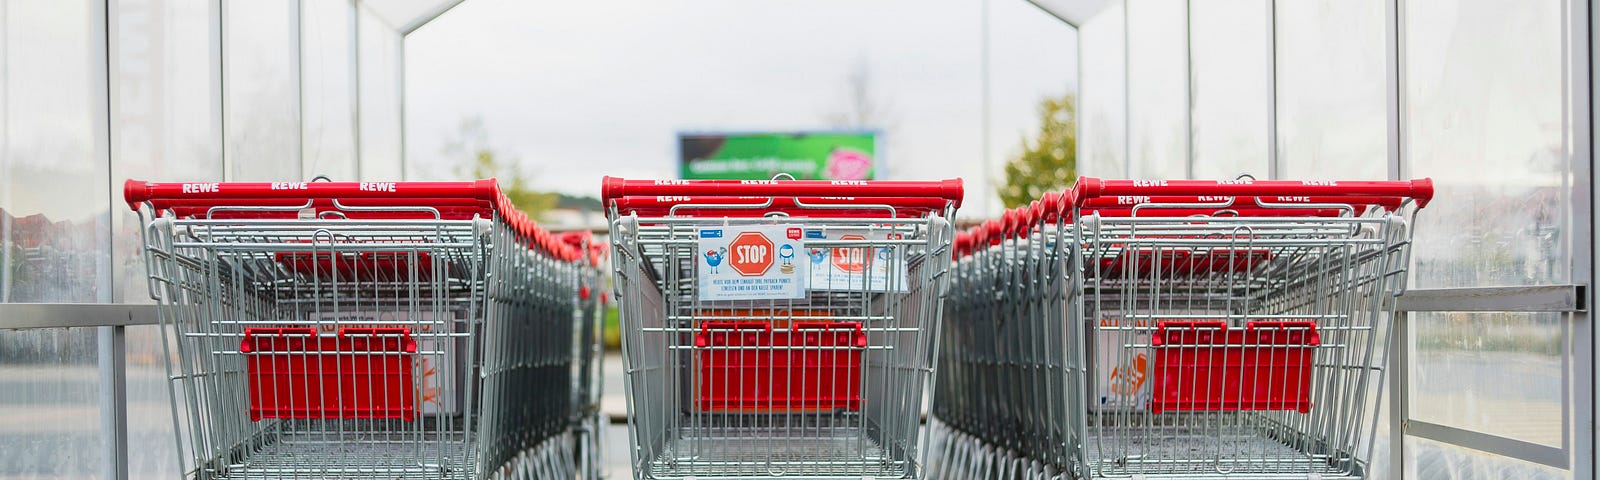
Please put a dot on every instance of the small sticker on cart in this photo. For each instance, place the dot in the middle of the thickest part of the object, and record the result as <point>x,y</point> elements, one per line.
<point>874,265</point>
<point>751,263</point>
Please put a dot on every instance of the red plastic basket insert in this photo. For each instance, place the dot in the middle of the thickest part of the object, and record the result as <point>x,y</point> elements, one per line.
<point>359,266</point>
<point>1206,366</point>
<point>361,373</point>
<point>747,367</point>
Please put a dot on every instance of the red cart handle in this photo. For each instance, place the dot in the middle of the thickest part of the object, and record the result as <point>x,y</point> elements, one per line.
<point>844,207</point>
<point>1089,188</point>
<point>458,197</point>
<point>612,188</point>
<point>136,192</point>
<point>667,202</point>
<point>1359,202</point>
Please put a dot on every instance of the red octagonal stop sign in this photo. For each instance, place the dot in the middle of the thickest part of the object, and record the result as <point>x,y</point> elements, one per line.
<point>851,259</point>
<point>750,254</point>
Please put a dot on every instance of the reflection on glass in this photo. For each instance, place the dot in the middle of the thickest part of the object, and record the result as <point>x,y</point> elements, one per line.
<point>1498,373</point>
<point>263,107</point>
<point>53,241</point>
<point>1483,105</point>
<point>1102,118</point>
<point>380,99</point>
<point>1229,81</point>
<point>1438,461</point>
<point>49,404</point>
<point>168,115</point>
<point>1331,98</point>
<point>327,67</point>
<point>1157,101</point>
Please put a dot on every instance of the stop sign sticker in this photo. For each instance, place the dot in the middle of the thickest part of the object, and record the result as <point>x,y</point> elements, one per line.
<point>751,262</point>
<point>851,259</point>
<point>752,254</point>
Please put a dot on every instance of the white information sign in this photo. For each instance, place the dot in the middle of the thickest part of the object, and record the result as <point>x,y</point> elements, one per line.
<point>752,262</point>
<point>871,268</point>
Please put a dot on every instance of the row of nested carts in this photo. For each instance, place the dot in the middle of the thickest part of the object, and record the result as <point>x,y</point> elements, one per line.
<point>1119,329</point>
<point>381,330</point>
<point>780,329</point>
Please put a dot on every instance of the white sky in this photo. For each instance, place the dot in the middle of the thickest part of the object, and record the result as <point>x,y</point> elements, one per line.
<point>577,90</point>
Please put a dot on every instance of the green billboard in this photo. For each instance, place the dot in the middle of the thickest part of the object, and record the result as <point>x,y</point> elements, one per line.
<point>758,156</point>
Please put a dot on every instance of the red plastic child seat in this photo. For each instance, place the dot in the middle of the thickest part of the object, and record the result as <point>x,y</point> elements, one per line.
<point>746,367</point>
<point>1206,366</point>
<point>362,373</point>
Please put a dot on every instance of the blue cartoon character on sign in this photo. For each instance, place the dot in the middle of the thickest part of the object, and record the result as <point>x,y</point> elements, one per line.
<point>818,256</point>
<point>786,253</point>
<point>714,258</point>
<point>883,259</point>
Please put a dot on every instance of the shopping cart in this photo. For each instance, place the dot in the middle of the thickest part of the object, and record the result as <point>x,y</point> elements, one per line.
<point>1227,329</point>
<point>587,348</point>
<point>778,328</point>
<point>364,330</point>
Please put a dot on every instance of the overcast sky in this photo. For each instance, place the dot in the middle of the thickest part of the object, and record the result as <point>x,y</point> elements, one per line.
<point>577,90</point>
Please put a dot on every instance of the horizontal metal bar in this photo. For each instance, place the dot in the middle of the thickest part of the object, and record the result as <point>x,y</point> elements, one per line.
<point>1535,298</point>
<point>1483,442</point>
<point>75,315</point>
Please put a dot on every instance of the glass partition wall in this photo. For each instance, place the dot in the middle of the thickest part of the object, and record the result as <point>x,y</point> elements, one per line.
<point>96,91</point>
<point>1492,366</point>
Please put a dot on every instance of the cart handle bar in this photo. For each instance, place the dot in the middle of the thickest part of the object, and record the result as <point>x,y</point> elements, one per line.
<point>704,206</point>
<point>612,188</point>
<point>1089,188</point>
<point>401,194</point>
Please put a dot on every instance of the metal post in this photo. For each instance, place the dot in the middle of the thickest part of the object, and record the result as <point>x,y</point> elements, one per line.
<point>1274,170</point>
<point>1399,364</point>
<point>114,400</point>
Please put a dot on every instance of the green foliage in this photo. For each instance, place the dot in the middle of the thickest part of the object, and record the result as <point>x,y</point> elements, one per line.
<point>484,163</point>
<point>1050,161</point>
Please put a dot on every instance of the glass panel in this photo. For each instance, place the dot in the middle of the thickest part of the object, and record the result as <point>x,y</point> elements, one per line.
<point>263,104</point>
<point>380,99</point>
<point>1438,461</point>
<point>1102,150</point>
<point>1157,101</point>
<point>49,402</point>
<point>1484,119</point>
<point>1497,373</point>
<point>1331,97</point>
<point>54,195</point>
<point>1229,75</point>
<point>168,115</point>
<point>327,66</point>
<point>149,405</point>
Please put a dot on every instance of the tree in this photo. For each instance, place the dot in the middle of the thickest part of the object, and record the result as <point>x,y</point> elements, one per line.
<point>482,162</point>
<point>1050,162</point>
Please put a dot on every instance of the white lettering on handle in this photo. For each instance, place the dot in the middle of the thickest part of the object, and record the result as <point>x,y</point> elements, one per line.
<point>377,187</point>
<point>201,187</point>
<point>289,186</point>
<point>1149,183</point>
